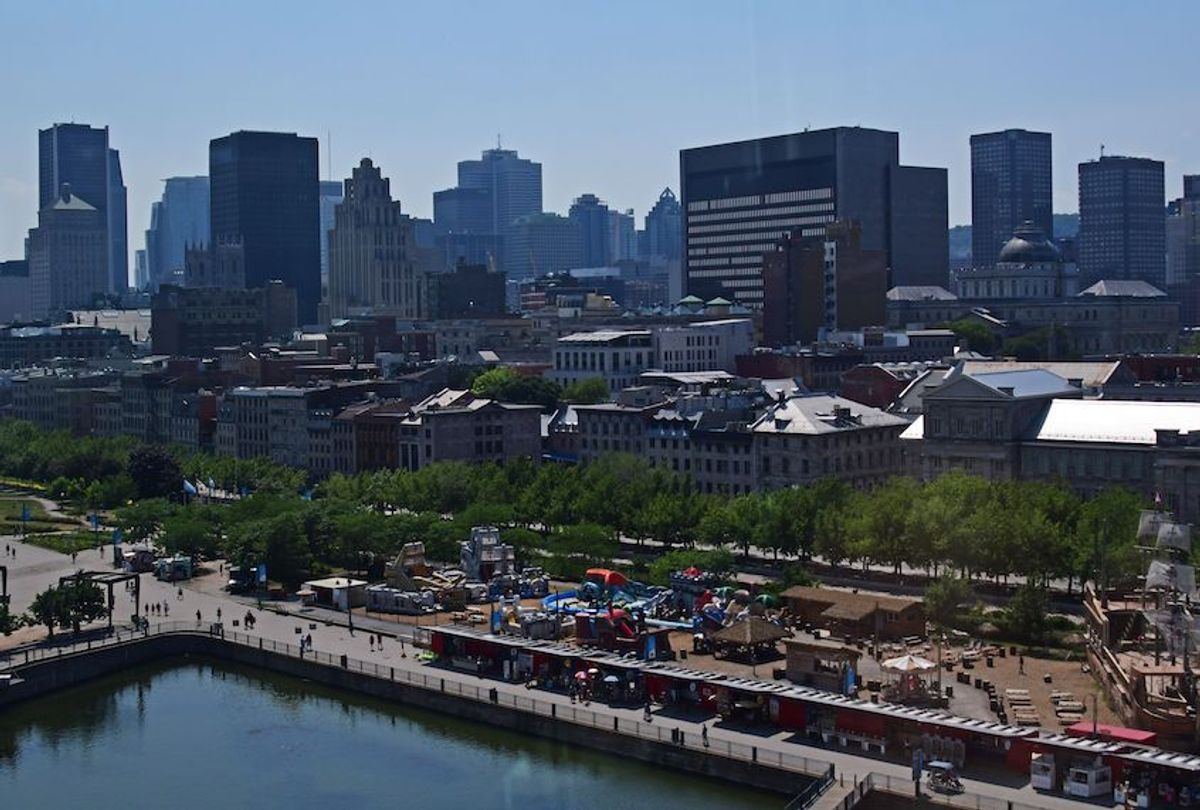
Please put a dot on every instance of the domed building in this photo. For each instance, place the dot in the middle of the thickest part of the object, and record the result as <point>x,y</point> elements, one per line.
<point>1029,266</point>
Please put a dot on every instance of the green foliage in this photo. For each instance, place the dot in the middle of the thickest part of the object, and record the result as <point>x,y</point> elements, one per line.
<point>719,562</point>
<point>8,621</point>
<point>1025,616</point>
<point>979,337</point>
<point>943,597</point>
<point>506,385</point>
<point>68,606</point>
<point>140,522</point>
<point>586,392</point>
<point>1049,342</point>
<point>154,471</point>
<point>69,542</point>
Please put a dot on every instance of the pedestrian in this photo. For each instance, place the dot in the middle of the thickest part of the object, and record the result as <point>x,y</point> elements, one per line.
<point>74,554</point>
<point>197,616</point>
<point>166,608</point>
<point>379,641</point>
<point>646,715</point>
<point>371,641</point>
<point>704,734</point>
<point>146,608</point>
<point>218,614</point>
<point>179,594</point>
<point>1020,664</point>
<point>309,639</point>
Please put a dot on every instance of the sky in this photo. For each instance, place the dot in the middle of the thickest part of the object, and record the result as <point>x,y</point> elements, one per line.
<point>603,94</point>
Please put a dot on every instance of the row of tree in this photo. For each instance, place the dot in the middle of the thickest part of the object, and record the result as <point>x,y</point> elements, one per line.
<point>567,515</point>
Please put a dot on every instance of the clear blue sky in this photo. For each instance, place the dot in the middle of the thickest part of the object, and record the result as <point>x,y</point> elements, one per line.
<point>604,94</point>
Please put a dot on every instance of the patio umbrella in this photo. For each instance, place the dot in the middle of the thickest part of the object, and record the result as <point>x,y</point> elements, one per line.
<point>611,679</point>
<point>581,675</point>
<point>908,663</point>
<point>593,671</point>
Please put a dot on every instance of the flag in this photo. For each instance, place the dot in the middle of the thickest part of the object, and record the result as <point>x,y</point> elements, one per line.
<point>117,535</point>
<point>24,511</point>
<point>95,520</point>
<point>188,487</point>
<point>211,486</point>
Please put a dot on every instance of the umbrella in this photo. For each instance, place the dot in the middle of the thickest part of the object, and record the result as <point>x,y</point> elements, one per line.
<point>581,675</point>
<point>908,663</point>
<point>766,599</point>
<point>593,671</point>
<point>611,679</point>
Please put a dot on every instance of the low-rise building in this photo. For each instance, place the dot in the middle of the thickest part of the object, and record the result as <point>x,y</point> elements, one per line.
<point>616,356</point>
<point>27,346</point>
<point>458,426</point>
<point>803,438</point>
<point>856,615</point>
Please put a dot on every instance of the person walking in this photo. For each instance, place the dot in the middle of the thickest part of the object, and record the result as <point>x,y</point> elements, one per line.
<point>1020,664</point>
<point>371,641</point>
<point>704,734</point>
<point>197,616</point>
<point>179,595</point>
<point>218,614</point>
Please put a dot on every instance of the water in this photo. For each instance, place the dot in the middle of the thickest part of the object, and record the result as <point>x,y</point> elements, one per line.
<point>216,736</point>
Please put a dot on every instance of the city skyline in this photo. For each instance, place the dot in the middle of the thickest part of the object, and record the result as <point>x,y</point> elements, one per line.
<point>654,98</point>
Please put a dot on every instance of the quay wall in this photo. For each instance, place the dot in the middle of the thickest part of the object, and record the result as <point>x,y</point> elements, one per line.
<point>437,694</point>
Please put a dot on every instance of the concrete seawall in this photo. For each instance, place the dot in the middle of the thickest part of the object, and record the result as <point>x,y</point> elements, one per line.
<point>436,693</point>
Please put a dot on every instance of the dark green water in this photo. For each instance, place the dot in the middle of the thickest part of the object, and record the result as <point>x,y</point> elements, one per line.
<point>200,736</point>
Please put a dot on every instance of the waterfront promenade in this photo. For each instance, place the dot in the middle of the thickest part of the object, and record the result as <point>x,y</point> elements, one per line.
<point>35,568</point>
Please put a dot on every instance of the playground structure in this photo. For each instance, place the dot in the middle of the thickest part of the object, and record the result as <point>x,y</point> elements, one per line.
<point>510,618</point>
<point>618,631</point>
<point>386,599</point>
<point>483,556</point>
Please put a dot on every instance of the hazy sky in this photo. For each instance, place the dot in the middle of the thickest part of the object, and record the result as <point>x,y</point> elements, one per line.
<point>604,94</point>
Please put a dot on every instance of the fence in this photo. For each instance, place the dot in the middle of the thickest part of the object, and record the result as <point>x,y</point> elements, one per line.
<point>900,786</point>
<point>447,683</point>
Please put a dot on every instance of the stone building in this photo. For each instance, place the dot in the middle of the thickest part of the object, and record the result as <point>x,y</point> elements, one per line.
<point>458,426</point>
<point>68,255</point>
<point>373,265</point>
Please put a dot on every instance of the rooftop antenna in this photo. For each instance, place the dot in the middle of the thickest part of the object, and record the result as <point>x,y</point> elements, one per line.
<point>1101,150</point>
<point>498,147</point>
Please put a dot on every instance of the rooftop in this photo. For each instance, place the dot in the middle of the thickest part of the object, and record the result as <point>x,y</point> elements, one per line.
<point>917,292</point>
<point>822,414</point>
<point>1033,382</point>
<point>1112,421</point>
<point>1123,288</point>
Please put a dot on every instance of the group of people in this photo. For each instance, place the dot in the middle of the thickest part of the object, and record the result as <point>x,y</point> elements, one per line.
<point>10,551</point>
<point>157,608</point>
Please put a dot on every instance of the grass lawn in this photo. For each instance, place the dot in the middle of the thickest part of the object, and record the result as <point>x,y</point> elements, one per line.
<point>39,521</point>
<point>68,542</point>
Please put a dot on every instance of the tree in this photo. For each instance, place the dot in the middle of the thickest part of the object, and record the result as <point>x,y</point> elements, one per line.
<point>155,472</point>
<point>978,337</point>
<point>188,534</point>
<point>8,622</point>
<point>69,605</point>
<point>1026,613</point>
<point>47,608</point>
<point>506,385</point>
<point>1106,536</point>
<point>591,391</point>
<point>141,521</point>
<point>943,597</point>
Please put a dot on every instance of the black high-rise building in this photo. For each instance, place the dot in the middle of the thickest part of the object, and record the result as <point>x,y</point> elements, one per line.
<point>264,192</point>
<point>590,216</point>
<point>739,198</point>
<point>79,155</point>
<point>1122,220</point>
<point>1011,184</point>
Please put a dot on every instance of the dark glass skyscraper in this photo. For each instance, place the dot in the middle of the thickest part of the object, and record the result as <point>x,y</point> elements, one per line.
<point>79,155</point>
<point>662,237</point>
<point>1011,183</point>
<point>589,214</point>
<point>740,198</point>
<point>1122,220</point>
<point>264,194</point>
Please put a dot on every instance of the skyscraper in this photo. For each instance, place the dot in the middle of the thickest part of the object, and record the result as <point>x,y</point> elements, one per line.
<point>739,198</point>
<point>331,196</point>
<point>462,218</point>
<point>662,236</point>
<point>541,244</point>
<point>118,227</point>
<point>514,185</point>
<point>622,236</point>
<point>1122,220</point>
<point>1011,183</point>
<point>590,216</point>
<point>179,219</point>
<point>264,192</point>
<point>79,155</point>
<point>1183,234</point>
<point>68,255</point>
<point>372,251</point>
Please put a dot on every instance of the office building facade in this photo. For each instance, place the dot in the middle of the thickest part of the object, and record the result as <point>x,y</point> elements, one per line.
<point>540,244</point>
<point>79,155</point>
<point>178,221</point>
<point>68,256</point>
<point>330,198</point>
<point>590,215</point>
<point>663,237</point>
<point>1183,234</point>
<point>827,282</point>
<point>1011,183</point>
<point>739,198</point>
<point>1122,220</point>
<point>264,193</point>
<point>372,254</point>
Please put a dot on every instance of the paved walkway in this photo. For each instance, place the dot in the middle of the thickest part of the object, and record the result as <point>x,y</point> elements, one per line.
<point>36,568</point>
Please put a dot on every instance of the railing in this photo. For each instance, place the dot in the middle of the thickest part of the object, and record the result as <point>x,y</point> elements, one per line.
<point>900,786</point>
<point>815,789</point>
<point>447,683</point>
